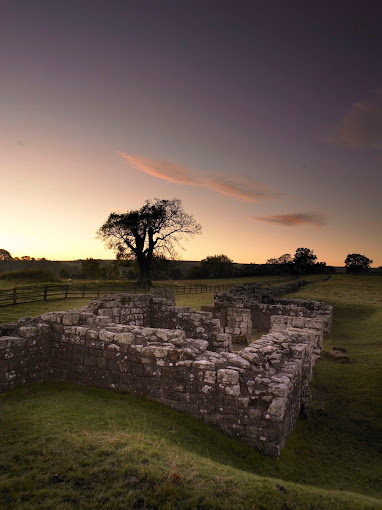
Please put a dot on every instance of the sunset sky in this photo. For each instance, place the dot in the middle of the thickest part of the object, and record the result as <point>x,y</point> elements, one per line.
<point>264,117</point>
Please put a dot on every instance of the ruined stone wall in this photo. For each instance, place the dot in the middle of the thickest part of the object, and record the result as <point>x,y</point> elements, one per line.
<point>235,321</point>
<point>264,304</point>
<point>123,344</point>
<point>239,324</point>
<point>25,353</point>
<point>255,395</point>
<point>262,314</point>
<point>157,312</point>
<point>283,322</point>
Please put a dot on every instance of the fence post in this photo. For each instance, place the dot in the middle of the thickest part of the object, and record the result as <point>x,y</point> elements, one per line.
<point>83,291</point>
<point>15,296</point>
<point>97,290</point>
<point>66,291</point>
<point>45,293</point>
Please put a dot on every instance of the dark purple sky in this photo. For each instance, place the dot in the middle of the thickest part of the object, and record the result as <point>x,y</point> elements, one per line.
<point>264,117</point>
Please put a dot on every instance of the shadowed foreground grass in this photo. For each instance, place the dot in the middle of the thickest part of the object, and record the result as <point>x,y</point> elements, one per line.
<point>71,447</point>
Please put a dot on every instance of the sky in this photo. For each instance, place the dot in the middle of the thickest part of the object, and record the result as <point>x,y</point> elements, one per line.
<point>264,117</point>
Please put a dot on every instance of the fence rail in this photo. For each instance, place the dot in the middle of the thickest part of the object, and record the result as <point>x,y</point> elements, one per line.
<point>197,288</point>
<point>20,295</point>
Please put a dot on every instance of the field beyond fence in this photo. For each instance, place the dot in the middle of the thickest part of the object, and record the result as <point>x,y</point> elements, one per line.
<point>46,292</point>
<point>19,295</point>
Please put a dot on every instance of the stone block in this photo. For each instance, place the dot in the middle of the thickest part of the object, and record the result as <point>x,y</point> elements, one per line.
<point>228,377</point>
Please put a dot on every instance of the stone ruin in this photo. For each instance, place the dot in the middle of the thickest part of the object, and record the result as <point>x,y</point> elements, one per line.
<point>144,344</point>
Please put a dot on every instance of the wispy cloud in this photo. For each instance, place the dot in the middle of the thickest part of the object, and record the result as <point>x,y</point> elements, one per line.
<point>162,169</point>
<point>233,186</point>
<point>294,220</point>
<point>362,124</point>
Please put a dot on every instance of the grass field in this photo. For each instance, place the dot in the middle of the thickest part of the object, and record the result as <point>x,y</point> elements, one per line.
<point>10,284</point>
<point>69,447</point>
<point>11,313</point>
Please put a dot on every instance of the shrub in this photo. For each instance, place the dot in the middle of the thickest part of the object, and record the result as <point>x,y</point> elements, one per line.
<point>36,275</point>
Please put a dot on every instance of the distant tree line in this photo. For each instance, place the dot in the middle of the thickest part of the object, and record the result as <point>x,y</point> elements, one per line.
<point>213,266</point>
<point>142,240</point>
<point>26,263</point>
<point>220,266</point>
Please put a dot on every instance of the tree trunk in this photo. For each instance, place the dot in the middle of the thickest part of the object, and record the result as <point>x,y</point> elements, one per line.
<point>144,281</point>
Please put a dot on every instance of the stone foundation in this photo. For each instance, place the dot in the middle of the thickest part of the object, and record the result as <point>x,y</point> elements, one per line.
<point>145,345</point>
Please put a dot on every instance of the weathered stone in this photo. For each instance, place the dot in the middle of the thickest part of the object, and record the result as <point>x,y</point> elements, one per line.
<point>276,409</point>
<point>70,319</point>
<point>228,377</point>
<point>203,365</point>
<point>342,349</point>
<point>147,346</point>
<point>337,356</point>
<point>124,338</point>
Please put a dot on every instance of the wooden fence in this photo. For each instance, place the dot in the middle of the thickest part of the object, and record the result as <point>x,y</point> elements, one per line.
<point>19,295</point>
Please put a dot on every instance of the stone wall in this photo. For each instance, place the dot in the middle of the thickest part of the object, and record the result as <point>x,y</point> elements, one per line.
<point>144,345</point>
<point>158,312</point>
<point>25,353</point>
<point>264,304</point>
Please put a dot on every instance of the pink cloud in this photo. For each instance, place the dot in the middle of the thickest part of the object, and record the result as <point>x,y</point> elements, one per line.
<point>162,169</point>
<point>362,124</point>
<point>239,187</point>
<point>294,220</point>
<point>233,186</point>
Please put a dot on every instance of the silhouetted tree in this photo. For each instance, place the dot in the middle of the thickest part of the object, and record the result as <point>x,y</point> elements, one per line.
<point>285,259</point>
<point>356,263</point>
<point>5,255</point>
<point>155,228</point>
<point>304,260</point>
<point>281,265</point>
<point>217,266</point>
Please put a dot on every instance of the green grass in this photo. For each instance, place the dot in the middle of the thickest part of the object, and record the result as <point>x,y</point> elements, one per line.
<point>9,283</point>
<point>223,281</point>
<point>11,313</point>
<point>195,300</point>
<point>70,447</point>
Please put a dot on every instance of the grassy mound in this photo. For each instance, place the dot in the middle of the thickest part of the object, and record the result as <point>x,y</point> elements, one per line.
<point>70,447</point>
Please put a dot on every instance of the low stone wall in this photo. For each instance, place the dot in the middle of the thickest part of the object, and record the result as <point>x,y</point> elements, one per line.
<point>256,292</point>
<point>158,312</point>
<point>25,353</point>
<point>122,343</point>
<point>250,297</point>
<point>236,321</point>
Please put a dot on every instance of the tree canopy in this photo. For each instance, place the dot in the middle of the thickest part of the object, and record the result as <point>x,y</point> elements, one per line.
<point>5,255</point>
<point>304,259</point>
<point>284,259</point>
<point>356,263</point>
<point>155,229</point>
<point>217,266</point>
